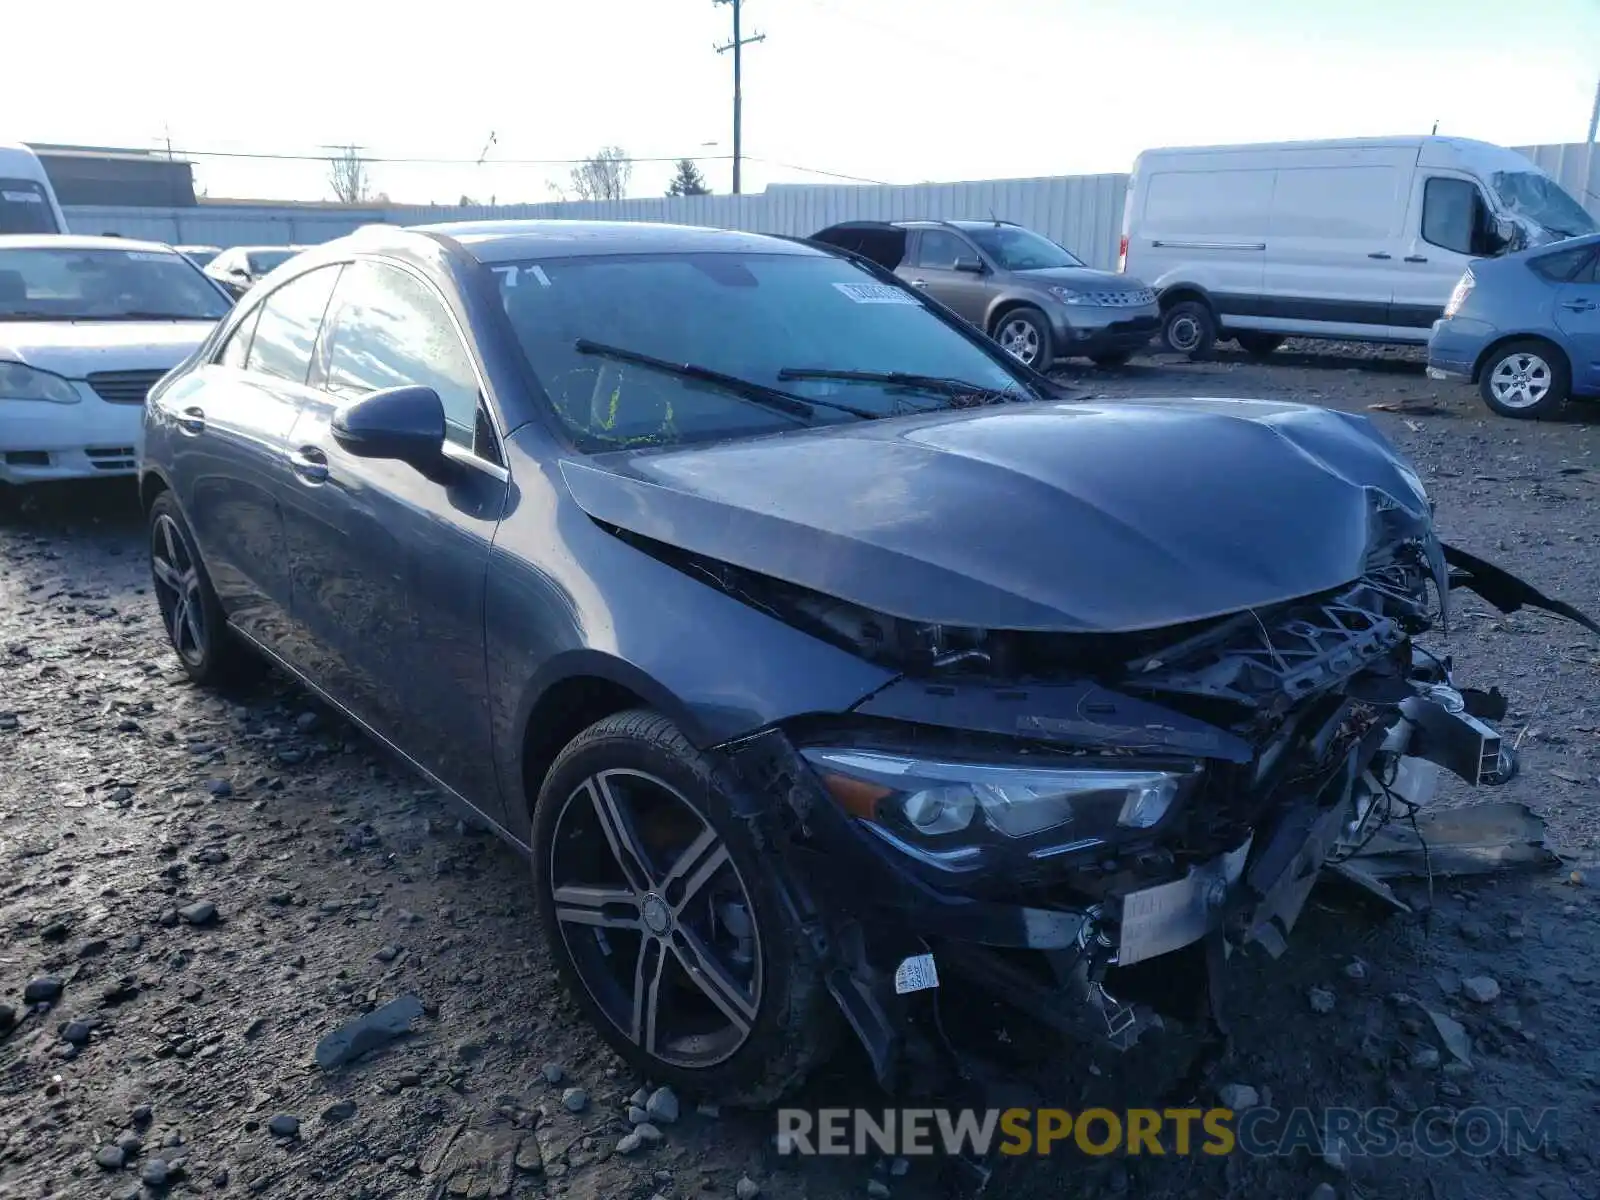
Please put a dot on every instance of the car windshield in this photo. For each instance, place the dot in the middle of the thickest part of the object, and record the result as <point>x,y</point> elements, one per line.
<point>262,261</point>
<point>1541,199</point>
<point>104,285</point>
<point>199,257</point>
<point>24,208</point>
<point>765,320</point>
<point>1014,249</point>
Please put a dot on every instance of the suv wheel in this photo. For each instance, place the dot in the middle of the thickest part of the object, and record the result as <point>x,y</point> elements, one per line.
<point>1189,328</point>
<point>208,652</point>
<point>664,920</point>
<point>1025,334</point>
<point>1525,378</point>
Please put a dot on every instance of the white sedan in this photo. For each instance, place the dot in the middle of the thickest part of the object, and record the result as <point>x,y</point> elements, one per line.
<point>87,325</point>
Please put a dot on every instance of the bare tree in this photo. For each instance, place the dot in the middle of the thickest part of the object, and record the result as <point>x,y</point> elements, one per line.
<point>604,175</point>
<point>347,175</point>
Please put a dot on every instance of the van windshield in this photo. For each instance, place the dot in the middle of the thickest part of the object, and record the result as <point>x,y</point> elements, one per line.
<point>1541,199</point>
<point>24,208</point>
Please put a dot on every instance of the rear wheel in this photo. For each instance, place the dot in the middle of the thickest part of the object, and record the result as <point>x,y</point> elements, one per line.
<point>664,920</point>
<point>1259,345</point>
<point>207,650</point>
<point>1025,334</point>
<point>1189,328</point>
<point>1526,378</point>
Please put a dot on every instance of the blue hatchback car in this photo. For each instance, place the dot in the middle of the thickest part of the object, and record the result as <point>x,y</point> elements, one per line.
<point>1525,328</point>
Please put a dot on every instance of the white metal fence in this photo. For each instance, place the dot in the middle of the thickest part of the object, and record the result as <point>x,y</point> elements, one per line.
<point>1082,212</point>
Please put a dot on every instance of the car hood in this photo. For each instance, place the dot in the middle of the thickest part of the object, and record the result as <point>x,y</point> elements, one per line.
<point>1083,277</point>
<point>1067,517</point>
<point>77,348</point>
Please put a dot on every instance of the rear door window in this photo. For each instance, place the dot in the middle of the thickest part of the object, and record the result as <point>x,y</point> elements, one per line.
<point>287,328</point>
<point>1566,266</point>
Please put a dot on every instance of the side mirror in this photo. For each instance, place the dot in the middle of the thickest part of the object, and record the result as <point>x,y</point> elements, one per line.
<point>972,266</point>
<point>403,423</point>
<point>1508,233</point>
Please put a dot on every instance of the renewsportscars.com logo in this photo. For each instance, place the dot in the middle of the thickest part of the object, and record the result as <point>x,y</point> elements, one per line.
<point>1349,1132</point>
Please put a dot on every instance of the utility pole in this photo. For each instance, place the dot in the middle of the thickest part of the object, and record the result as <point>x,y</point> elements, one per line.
<point>1588,148</point>
<point>735,45</point>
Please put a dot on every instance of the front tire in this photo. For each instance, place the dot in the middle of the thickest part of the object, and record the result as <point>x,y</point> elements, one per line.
<point>1189,328</point>
<point>665,922</point>
<point>1525,379</point>
<point>1024,333</point>
<point>196,628</point>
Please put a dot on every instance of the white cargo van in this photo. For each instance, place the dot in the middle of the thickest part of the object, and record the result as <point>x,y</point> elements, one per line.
<point>1360,239</point>
<point>27,201</point>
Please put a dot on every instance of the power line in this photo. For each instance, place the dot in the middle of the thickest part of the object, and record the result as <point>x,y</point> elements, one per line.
<point>442,162</point>
<point>772,162</point>
<point>737,45</point>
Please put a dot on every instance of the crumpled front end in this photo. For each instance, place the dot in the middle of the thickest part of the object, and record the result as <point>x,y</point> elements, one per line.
<point>1060,819</point>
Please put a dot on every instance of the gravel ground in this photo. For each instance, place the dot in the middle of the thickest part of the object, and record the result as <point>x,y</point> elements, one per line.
<point>197,888</point>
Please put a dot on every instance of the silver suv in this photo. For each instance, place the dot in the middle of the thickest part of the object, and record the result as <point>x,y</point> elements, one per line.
<point>1037,299</point>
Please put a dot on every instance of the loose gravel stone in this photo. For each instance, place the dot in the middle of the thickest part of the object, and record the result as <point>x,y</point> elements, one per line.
<point>1480,989</point>
<point>553,1072</point>
<point>574,1099</point>
<point>284,1126</point>
<point>201,912</point>
<point>110,1157</point>
<point>746,1188</point>
<point>662,1105</point>
<point>1321,1000</point>
<point>42,990</point>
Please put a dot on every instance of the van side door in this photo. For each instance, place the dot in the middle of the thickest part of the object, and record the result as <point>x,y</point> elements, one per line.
<point>1449,223</point>
<point>1333,245</point>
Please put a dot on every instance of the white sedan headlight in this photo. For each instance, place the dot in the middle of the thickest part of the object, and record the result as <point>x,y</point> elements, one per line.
<point>20,382</point>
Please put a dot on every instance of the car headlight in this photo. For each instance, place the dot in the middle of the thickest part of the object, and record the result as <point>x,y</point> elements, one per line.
<point>1068,296</point>
<point>947,803</point>
<point>19,382</point>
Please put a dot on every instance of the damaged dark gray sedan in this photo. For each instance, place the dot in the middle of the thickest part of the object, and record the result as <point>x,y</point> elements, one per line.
<point>824,659</point>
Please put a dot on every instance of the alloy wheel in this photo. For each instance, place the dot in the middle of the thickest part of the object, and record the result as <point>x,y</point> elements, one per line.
<point>1020,338</point>
<point>1521,380</point>
<point>657,921</point>
<point>177,585</point>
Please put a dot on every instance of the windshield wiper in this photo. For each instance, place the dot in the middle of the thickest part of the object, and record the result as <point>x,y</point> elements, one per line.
<point>143,315</point>
<point>960,390</point>
<point>35,316</point>
<point>748,389</point>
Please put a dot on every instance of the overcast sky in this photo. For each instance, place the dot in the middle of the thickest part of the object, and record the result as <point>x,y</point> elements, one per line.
<point>897,91</point>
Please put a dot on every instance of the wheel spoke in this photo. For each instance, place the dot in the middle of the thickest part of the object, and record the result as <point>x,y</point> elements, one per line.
<point>169,537</point>
<point>620,834</point>
<point>705,856</point>
<point>587,906</point>
<point>647,974</point>
<point>179,622</point>
<point>191,613</point>
<point>711,978</point>
<point>166,573</point>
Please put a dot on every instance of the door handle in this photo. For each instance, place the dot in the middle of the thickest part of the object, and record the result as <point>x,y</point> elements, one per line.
<point>1380,254</point>
<point>1578,305</point>
<point>1416,258</point>
<point>192,420</point>
<point>309,463</point>
<point>922,283</point>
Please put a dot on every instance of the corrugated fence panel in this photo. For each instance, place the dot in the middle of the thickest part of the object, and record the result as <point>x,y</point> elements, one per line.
<point>1082,212</point>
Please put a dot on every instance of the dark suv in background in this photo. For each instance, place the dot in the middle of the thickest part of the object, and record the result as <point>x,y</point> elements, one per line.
<point>1037,299</point>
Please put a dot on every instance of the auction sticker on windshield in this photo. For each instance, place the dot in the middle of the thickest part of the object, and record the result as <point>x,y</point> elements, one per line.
<point>875,293</point>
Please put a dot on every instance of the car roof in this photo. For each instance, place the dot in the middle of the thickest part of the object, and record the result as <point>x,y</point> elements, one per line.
<point>506,241</point>
<point>76,241</point>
